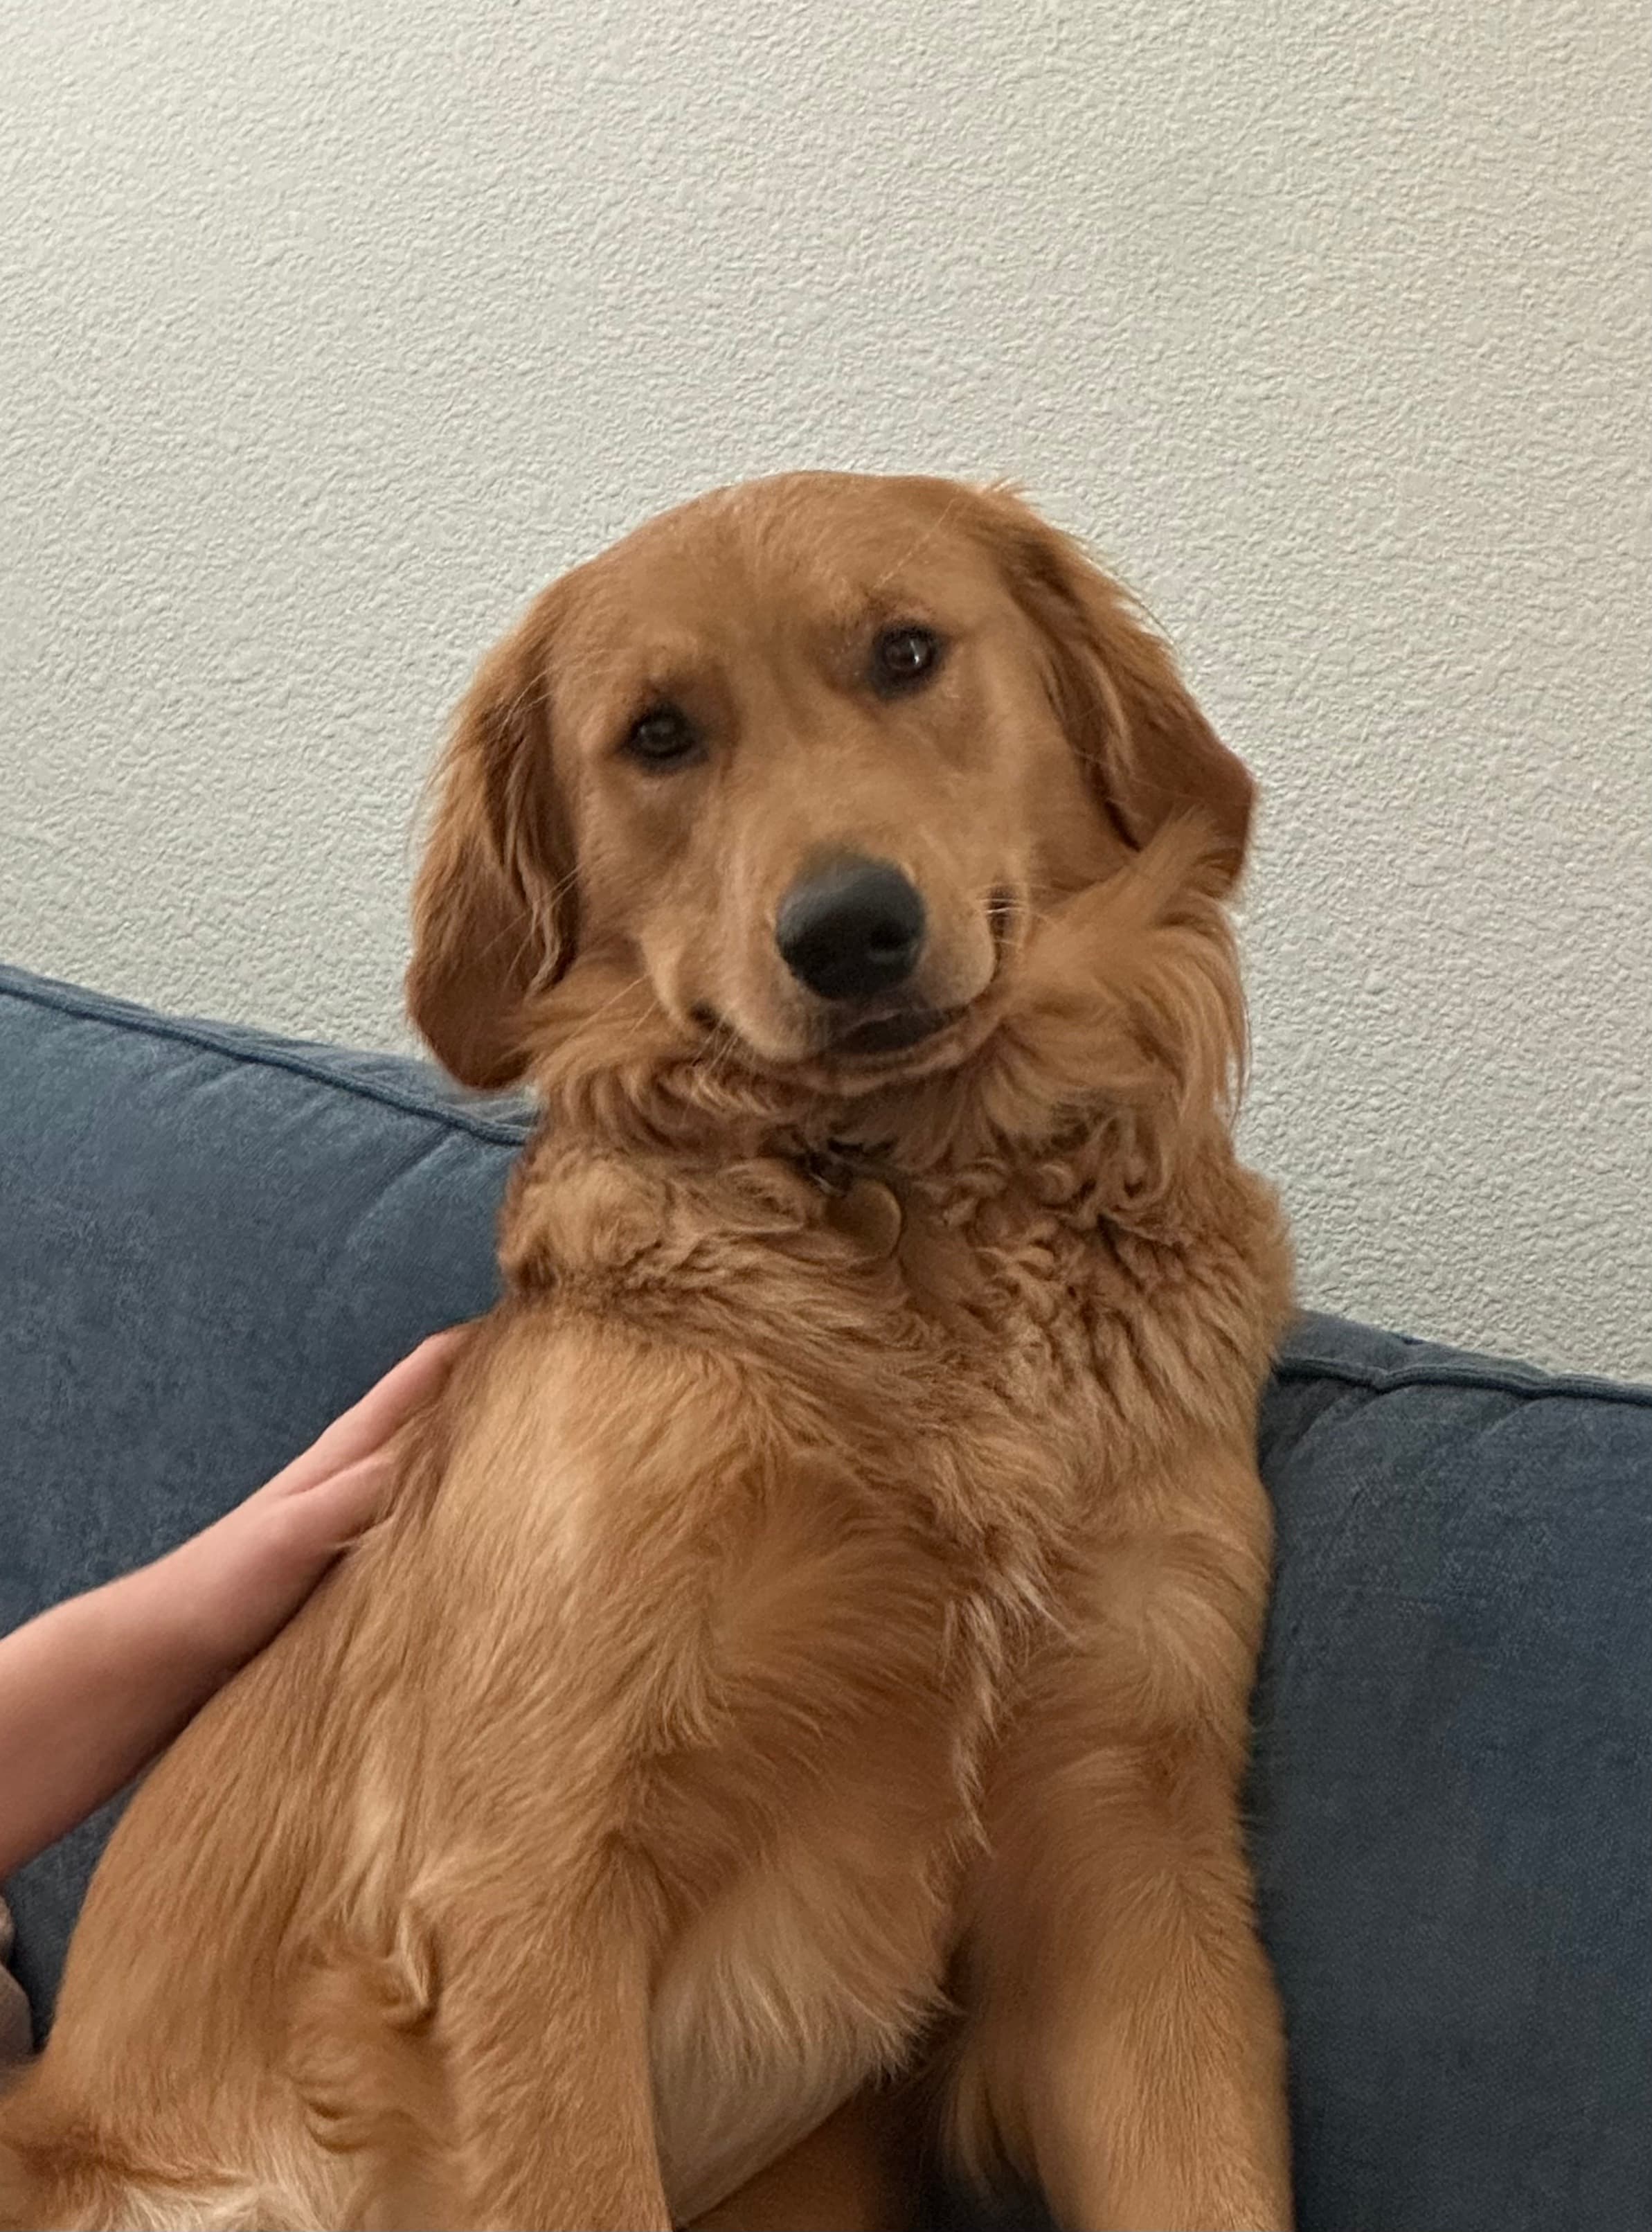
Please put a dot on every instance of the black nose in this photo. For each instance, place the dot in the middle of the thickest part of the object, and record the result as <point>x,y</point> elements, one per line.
<point>853,930</point>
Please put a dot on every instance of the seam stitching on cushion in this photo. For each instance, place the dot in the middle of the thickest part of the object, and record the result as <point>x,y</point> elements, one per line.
<point>1572,1388</point>
<point>496,1131</point>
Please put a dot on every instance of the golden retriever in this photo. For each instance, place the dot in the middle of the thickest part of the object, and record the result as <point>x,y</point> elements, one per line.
<point>814,1630</point>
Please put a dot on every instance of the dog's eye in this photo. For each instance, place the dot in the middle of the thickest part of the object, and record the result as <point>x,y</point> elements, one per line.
<point>664,736</point>
<point>904,657</point>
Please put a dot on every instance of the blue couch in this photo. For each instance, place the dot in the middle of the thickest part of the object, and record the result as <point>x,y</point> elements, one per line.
<point>212,1240</point>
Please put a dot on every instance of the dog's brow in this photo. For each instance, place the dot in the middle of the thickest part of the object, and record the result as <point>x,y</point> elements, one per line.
<point>851,616</point>
<point>927,535</point>
<point>656,665</point>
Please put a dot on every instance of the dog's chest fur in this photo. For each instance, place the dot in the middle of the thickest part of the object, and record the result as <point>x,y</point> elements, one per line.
<point>948,1420</point>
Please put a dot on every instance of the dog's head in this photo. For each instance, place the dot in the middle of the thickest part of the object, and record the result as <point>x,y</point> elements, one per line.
<point>804,765</point>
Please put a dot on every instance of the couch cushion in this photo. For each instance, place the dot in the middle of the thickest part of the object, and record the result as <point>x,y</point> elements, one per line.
<point>1453,1784</point>
<point>212,1240</point>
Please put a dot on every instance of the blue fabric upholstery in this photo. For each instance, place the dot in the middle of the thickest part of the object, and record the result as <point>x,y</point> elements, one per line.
<point>211,1241</point>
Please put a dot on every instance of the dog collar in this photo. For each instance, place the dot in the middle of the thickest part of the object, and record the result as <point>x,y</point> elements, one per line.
<point>864,1208</point>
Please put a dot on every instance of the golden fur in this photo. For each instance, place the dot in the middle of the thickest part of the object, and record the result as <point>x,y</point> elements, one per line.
<point>813,1630</point>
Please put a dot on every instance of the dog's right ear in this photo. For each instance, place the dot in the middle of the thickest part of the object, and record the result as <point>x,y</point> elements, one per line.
<point>495,905</point>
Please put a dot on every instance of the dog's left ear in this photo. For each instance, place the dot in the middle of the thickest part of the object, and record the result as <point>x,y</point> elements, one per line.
<point>1148,751</point>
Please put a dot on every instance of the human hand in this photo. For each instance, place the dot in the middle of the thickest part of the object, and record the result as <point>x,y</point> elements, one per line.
<point>91,1691</point>
<point>235,1585</point>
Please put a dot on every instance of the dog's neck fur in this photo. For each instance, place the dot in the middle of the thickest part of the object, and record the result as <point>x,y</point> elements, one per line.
<point>1103,1098</point>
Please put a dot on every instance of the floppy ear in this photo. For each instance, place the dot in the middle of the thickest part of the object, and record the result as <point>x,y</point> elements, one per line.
<point>494,907</point>
<point>1150,753</point>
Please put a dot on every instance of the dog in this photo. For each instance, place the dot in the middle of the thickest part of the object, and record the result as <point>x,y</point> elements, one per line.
<point>812,1635</point>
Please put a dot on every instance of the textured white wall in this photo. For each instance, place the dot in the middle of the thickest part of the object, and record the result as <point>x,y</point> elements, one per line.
<point>327,332</point>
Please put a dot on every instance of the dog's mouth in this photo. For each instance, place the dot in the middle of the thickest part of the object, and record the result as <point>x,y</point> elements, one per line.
<point>876,1051</point>
<point>892,1033</point>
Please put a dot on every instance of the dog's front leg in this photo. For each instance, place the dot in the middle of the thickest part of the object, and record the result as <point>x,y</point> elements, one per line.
<point>545,2039</point>
<point>1126,2045</point>
<point>486,2065</point>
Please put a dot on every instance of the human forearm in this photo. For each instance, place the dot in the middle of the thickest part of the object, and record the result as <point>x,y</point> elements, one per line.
<point>90,1692</point>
